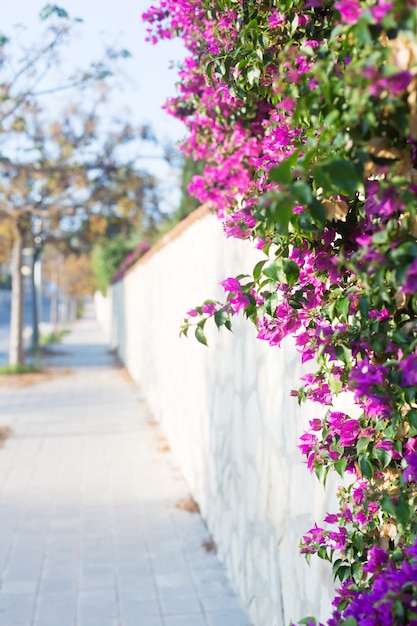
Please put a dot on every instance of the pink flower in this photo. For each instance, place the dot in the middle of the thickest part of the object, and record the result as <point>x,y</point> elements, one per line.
<point>309,441</point>
<point>238,301</point>
<point>315,424</point>
<point>394,84</point>
<point>410,472</point>
<point>408,368</point>
<point>209,308</point>
<point>381,8</point>
<point>349,10</point>
<point>410,285</point>
<point>275,19</point>
<point>349,432</point>
<point>376,559</point>
<point>231,284</point>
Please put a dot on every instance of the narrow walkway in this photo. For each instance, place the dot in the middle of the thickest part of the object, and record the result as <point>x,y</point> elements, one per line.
<point>89,531</point>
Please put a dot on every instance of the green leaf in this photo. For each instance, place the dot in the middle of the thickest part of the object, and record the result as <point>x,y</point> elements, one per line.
<point>412,418</point>
<point>349,621</point>
<point>282,173</point>
<point>342,306</point>
<point>406,251</point>
<point>335,385</point>
<point>184,331</point>
<point>340,466</point>
<point>209,70</point>
<point>291,271</point>
<point>336,567</point>
<point>366,467</point>
<point>317,212</point>
<point>362,444</point>
<point>362,32</point>
<point>274,271</point>
<point>364,305</point>
<point>257,270</point>
<point>271,301</point>
<point>383,456</point>
<point>200,336</point>
<point>344,573</point>
<point>339,175</point>
<point>254,75</point>
<point>319,471</point>
<point>308,620</point>
<point>403,512</point>
<point>302,192</point>
<point>388,506</point>
<point>220,318</point>
<point>382,236</point>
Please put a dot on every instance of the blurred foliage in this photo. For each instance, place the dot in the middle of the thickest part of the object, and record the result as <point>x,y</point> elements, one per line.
<point>106,258</point>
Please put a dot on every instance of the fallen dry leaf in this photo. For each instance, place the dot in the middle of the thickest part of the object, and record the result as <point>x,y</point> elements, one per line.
<point>188,504</point>
<point>5,431</point>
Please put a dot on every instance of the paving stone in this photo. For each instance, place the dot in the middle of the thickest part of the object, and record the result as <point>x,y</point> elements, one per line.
<point>90,535</point>
<point>226,617</point>
<point>186,620</point>
<point>134,608</point>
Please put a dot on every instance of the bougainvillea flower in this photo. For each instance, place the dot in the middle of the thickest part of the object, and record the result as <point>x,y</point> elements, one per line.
<point>350,10</point>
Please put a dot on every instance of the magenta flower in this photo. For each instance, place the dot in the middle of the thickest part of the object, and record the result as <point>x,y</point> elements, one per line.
<point>376,559</point>
<point>410,285</point>
<point>380,10</point>
<point>349,432</point>
<point>411,445</point>
<point>209,308</point>
<point>309,441</point>
<point>388,445</point>
<point>392,589</point>
<point>238,301</point>
<point>275,19</point>
<point>338,539</point>
<point>408,369</point>
<point>410,473</point>
<point>231,284</point>
<point>394,84</point>
<point>349,10</point>
<point>315,535</point>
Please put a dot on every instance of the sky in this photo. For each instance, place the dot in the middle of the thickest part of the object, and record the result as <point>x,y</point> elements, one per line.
<point>147,79</point>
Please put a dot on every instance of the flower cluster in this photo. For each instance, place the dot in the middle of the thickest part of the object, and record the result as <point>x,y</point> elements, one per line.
<point>305,114</point>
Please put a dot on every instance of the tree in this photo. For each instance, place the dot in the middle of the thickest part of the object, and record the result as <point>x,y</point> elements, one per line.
<point>69,179</point>
<point>69,276</point>
<point>106,257</point>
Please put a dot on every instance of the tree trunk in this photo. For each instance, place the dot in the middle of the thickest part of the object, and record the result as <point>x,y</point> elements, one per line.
<point>36,287</point>
<point>55,301</point>
<point>16,354</point>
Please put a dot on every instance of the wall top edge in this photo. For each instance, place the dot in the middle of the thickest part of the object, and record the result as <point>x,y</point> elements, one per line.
<point>173,234</point>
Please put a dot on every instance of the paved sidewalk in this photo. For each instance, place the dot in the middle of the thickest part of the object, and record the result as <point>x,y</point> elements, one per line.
<point>89,531</point>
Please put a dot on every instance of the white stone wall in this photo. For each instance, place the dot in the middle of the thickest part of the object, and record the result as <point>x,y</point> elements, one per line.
<point>230,421</point>
<point>103,310</point>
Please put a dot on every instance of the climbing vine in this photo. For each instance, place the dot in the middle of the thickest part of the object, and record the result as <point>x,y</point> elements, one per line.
<point>305,114</point>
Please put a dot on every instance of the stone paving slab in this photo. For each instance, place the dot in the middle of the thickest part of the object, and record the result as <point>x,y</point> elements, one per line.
<point>89,531</point>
